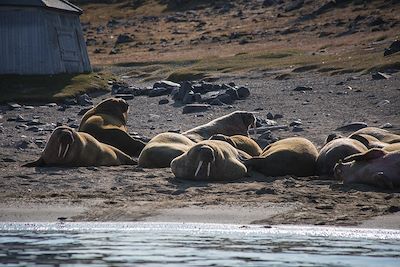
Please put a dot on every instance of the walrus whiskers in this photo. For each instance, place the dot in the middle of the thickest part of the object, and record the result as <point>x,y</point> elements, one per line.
<point>198,168</point>
<point>66,150</point>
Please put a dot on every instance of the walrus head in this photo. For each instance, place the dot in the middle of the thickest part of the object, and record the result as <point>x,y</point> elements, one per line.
<point>206,157</point>
<point>117,107</point>
<point>56,149</point>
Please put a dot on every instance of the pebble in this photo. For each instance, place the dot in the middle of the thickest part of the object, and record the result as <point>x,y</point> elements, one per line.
<point>159,92</point>
<point>29,107</point>
<point>296,123</point>
<point>51,105</point>
<point>387,126</point>
<point>163,101</point>
<point>302,88</point>
<point>383,103</point>
<point>278,116</point>
<point>270,116</point>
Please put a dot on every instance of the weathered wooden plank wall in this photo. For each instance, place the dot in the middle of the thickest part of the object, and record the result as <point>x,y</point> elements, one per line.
<point>30,42</point>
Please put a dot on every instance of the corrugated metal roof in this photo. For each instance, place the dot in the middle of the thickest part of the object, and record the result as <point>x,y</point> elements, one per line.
<point>56,4</point>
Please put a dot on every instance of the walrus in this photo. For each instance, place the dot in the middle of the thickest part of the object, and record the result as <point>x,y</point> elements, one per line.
<point>380,134</point>
<point>368,140</point>
<point>162,149</point>
<point>392,147</point>
<point>375,167</point>
<point>241,142</point>
<point>69,148</point>
<point>235,123</point>
<point>210,160</point>
<point>107,123</point>
<point>336,150</point>
<point>291,156</point>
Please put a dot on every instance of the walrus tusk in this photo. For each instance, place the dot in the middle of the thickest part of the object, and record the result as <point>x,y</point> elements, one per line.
<point>59,150</point>
<point>208,169</point>
<point>66,150</point>
<point>198,168</point>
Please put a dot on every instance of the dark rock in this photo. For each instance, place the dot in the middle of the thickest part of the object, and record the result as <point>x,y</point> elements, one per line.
<point>278,116</point>
<point>216,102</point>
<point>62,108</point>
<point>297,129</point>
<point>83,111</point>
<point>34,122</point>
<point>302,88</point>
<point>265,190</point>
<point>226,99</point>
<point>163,101</point>
<point>233,93</point>
<point>268,3</point>
<point>19,118</point>
<point>193,108</point>
<point>197,97</point>
<point>125,96</point>
<point>393,48</point>
<point>188,98</point>
<point>70,101</point>
<point>270,116</point>
<point>353,126</point>
<point>114,51</point>
<point>380,76</point>
<point>8,160</point>
<point>84,100</point>
<point>123,38</point>
<point>243,92</point>
<point>159,92</point>
<point>184,89</point>
<point>34,129</point>
<point>293,5</point>
<point>24,144</point>
<point>393,209</point>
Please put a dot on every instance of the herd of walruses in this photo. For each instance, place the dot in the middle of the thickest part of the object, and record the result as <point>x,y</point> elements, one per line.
<point>222,150</point>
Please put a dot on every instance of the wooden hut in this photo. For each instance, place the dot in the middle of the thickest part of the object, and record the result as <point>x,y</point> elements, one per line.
<point>41,37</point>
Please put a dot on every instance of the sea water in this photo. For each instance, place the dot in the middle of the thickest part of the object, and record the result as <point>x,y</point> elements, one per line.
<point>194,244</point>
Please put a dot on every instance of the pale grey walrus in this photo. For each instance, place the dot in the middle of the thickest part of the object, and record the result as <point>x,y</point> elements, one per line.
<point>235,123</point>
<point>336,150</point>
<point>69,148</point>
<point>375,167</point>
<point>162,149</point>
<point>380,134</point>
<point>291,156</point>
<point>210,160</point>
<point>241,142</point>
<point>107,123</point>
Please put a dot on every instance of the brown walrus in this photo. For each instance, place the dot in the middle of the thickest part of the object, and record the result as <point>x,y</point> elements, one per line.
<point>369,141</point>
<point>162,149</point>
<point>241,142</point>
<point>380,134</point>
<point>107,123</point>
<point>69,148</point>
<point>210,160</point>
<point>235,123</point>
<point>291,156</point>
<point>392,147</point>
<point>336,150</point>
<point>374,167</point>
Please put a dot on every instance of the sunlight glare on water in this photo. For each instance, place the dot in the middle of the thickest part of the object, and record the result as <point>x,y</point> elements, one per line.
<point>191,244</point>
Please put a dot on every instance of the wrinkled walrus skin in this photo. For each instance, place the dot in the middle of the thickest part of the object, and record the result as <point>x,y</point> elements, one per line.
<point>68,148</point>
<point>210,160</point>
<point>374,167</point>
<point>235,123</point>
<point>291,156</point>
<point>336,150</point>
<point>380,134</point>
<point>162,149</point>
<point>107,123</point>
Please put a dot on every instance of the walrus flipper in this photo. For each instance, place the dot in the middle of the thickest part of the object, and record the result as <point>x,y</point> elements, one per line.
<point>37,163</point>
